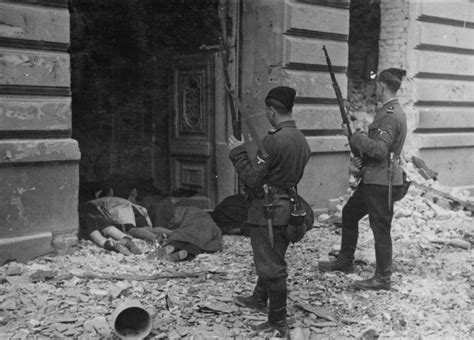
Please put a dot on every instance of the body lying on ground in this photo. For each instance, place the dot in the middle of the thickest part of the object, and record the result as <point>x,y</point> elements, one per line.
<point>191,229</point>
<point>175,227</point>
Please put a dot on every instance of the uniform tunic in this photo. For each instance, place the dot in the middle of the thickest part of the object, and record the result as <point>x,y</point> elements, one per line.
<point>386,134</point>
<point>288,153</point>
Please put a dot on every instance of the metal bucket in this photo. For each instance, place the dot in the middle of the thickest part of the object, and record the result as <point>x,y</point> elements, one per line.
<point>131,321</point>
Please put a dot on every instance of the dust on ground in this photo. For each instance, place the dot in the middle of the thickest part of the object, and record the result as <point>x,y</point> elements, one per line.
<point>431,295</point>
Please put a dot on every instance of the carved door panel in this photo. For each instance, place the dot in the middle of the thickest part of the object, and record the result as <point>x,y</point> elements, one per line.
<point>192,138</point>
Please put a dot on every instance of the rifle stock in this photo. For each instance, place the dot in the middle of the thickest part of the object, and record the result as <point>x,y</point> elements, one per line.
<point>340,101</point>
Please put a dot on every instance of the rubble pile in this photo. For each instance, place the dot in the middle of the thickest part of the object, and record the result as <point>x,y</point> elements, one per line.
<point>433,281</point>
<point>437,214</point>
<point>75,295</point>
<point>430,213</point>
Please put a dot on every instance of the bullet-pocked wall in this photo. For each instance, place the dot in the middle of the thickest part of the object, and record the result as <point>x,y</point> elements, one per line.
<point>38,159</point>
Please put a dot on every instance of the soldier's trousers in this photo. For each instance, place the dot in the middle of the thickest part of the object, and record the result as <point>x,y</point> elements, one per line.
<point>372,200</point>
<point>271,267</point>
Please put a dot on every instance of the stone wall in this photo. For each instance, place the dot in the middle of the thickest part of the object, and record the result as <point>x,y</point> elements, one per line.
<point>434,42</point>
<point>393,33</point>
<point>38,159</point>
<point>282,45</point>
<point>393,47</point>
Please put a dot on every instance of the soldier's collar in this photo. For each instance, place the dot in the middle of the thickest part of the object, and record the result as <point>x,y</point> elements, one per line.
<point>286,123</point>
<point>389,101</point>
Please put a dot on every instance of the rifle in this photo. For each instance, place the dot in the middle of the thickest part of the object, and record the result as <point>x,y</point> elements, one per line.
<point>340,101</point>
<point>231,96</point>
<point>236,107</point>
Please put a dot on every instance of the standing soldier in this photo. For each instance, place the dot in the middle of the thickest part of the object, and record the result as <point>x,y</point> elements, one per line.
<point>375,195</point>
<point>273,176</point>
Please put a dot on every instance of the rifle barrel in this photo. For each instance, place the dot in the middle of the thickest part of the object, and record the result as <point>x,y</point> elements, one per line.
<point>340,102</point>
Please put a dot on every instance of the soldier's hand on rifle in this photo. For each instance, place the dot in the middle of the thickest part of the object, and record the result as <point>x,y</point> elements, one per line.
<point>234,142</point>
<point>357,125</point>
<point>357,161</point>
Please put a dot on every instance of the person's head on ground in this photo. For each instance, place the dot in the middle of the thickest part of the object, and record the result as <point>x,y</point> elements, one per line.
<point>388,83</point>
<point>279,104</point>
<point>104,192</point>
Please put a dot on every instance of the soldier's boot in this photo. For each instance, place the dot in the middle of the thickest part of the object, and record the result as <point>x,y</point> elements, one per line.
<point>383,271</point>
<point>345,260</point>
<point>258,300</point>
<point>276,322</point>
<point>340,264</point>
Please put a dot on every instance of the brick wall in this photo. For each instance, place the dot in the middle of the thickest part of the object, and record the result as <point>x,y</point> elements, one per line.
<point>363,58</point>
<point>433,41</point>
<point>393,33</point>
<point>393,52</point>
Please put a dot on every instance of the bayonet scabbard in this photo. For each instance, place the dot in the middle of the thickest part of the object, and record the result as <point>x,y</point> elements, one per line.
<point>390,184</point>
<point>268,206</point>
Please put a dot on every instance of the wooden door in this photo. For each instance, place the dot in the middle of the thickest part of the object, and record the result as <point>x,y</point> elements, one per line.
<point>192,138</point>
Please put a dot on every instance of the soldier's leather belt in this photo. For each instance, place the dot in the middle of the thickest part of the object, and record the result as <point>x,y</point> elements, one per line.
<point>275,191</point>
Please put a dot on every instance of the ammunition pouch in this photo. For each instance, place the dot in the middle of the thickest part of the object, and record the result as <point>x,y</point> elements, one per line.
<point>296,227</point>
<point>399,194</point>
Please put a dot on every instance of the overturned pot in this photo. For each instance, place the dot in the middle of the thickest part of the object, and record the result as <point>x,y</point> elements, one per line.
<point>131,321</point>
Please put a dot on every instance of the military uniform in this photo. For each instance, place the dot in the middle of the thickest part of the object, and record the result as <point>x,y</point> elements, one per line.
<point>288,153</point>
<point>386,134</point>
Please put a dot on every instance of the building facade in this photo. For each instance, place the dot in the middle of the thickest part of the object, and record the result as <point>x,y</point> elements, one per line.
<point>273,43</point>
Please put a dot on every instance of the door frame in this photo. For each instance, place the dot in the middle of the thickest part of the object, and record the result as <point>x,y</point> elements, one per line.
<point>198,149</point>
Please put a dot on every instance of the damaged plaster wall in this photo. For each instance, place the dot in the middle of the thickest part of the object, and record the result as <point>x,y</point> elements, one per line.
<point>393,47</point>
<point>38,159</point>
<point>434,42</point>
<point>282,45</point>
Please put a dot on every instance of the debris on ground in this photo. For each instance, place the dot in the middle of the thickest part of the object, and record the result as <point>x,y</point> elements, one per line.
<point>74,295</point>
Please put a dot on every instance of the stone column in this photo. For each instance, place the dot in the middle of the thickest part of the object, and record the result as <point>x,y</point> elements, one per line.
<point>38,160</point>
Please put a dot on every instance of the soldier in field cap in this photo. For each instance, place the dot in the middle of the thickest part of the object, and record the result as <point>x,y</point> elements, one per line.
<point>276,169</point>
<point>382,183</point>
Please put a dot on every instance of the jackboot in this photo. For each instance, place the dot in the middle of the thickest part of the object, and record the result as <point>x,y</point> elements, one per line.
<point>383,270</point>
<point>276,315</point>
<point>340,264</point>
<point>258,300</point>
<point>345,260</point>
